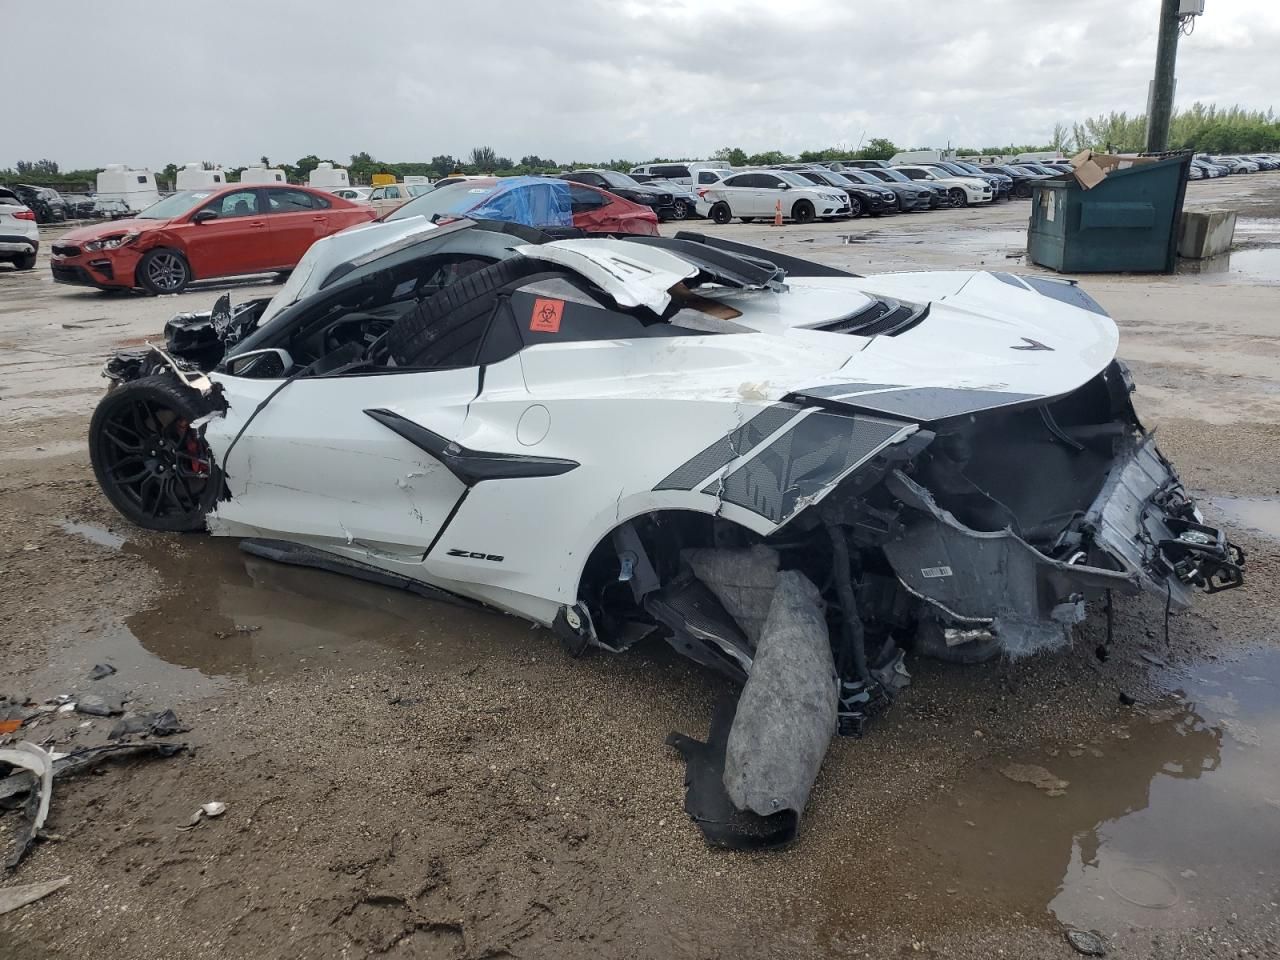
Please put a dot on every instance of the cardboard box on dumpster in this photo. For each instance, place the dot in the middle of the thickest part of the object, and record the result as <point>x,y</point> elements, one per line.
<point>1092,168</point>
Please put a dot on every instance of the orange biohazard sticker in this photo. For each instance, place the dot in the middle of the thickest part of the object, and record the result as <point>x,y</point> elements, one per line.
<point>546,316</point>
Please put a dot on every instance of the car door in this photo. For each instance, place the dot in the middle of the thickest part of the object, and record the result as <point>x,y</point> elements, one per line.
<point>735,191</point>
<point>767,192</point>
<point>236,239</point>
<point>296,223</point>
<point>591,209</point>
<point>315,466</point>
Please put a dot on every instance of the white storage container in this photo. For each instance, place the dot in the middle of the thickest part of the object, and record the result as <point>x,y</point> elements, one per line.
<point>327,176</point>
<point>193,176</point>
<point>258,173</point>
<point>137,188</point>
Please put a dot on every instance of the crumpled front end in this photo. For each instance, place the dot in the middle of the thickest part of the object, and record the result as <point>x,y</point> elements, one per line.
<point>982,528</point>
<point>1011,519</point>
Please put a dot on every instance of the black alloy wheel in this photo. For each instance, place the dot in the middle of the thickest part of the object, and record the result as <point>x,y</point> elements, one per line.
<point>153,466</point>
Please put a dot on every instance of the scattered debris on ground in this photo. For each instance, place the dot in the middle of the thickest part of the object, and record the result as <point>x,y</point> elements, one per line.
<point>105,705</point>
<point>207,811</point>
<point>11,898</point>
<point>160,723</point>
<point>35,770</point>
<point>1084,942</point>
<point>28,756</point>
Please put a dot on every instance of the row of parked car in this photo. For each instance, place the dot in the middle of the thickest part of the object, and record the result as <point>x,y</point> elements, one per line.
<point>50,206</point>
<point>1205,167</point>
<point>246,229</point>
<point>844,188</point>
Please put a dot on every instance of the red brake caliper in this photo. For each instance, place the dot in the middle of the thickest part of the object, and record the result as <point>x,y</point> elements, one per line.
<point>192,445</point>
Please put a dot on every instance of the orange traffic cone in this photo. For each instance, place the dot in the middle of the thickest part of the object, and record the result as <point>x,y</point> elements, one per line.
<point>777,214</point>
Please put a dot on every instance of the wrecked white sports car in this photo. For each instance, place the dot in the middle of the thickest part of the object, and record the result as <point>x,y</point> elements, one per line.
<point>615,437</point>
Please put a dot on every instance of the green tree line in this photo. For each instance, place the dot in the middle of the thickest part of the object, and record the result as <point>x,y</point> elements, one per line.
<point>1202,128</point>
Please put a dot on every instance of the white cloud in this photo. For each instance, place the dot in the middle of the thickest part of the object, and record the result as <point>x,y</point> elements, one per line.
<point>593,79</point>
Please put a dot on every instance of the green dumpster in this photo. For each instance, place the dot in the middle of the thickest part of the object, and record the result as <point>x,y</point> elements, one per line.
<point>1127,222</point>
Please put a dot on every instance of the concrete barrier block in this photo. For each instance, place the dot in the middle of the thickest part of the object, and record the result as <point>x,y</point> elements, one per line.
<point>1205,233</point>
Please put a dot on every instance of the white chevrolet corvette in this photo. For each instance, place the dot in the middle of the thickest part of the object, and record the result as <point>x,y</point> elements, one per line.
<point>563,429</point>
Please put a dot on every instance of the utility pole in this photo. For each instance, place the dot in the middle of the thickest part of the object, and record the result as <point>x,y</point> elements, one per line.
<point>1160,102</point>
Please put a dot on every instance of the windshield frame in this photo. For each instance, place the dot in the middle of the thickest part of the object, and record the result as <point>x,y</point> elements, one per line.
<point>895,176</point>
<point>796,179</point>
<point>416,207</point>
<point>627,182</point>
<point>198,199</point>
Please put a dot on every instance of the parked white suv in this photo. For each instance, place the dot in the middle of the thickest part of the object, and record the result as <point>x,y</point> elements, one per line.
<point>19,232</point>
<point>693,172</point>
<point>756,194</point>
<point>963,190</point>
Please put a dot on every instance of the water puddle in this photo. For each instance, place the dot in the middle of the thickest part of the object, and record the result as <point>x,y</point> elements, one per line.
<point>1255,264</point>
<point>1171,821</point>
<point>93,533</point>
<point>223,617</point>
<point>1000,241</point>
<point>1261,228</point>
<point>1261,514</point>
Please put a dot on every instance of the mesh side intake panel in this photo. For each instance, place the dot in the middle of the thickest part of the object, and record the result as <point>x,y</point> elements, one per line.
<point>729,447</point>
<point>803,461</point>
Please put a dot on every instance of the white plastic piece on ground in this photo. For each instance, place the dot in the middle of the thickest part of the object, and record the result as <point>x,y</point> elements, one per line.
<point>31,757</point>
<point>207,811</point>
<point>787,711</point>
<point>11,898</point>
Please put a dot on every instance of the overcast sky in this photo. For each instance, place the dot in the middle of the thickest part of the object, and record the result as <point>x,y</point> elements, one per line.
<point>148,84</point>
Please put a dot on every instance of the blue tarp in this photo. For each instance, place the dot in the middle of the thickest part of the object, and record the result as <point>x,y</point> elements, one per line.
<point>533,201</point>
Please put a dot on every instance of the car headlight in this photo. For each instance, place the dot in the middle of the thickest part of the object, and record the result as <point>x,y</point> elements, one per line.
<point>111,243</point>
<point>888,195</point>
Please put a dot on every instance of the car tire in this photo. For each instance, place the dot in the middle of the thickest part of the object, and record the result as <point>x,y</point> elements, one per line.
<point>148,461</point>
<point>446,321</point>
<point>958,197</point>
<point>26,261</point>
<point>680,212</point>
<point>721,214</point>
<point>855,207</point>
<point>1023,191</point>
<point>163,271</point>
<point>802,212</point>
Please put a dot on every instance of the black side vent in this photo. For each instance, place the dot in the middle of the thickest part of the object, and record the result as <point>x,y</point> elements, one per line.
<point>883,318</point>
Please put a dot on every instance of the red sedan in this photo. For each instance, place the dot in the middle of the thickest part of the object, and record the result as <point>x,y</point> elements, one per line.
<point>202,234</point>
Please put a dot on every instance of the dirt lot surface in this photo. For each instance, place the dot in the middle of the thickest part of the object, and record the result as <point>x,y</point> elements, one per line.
<point>403,779</point>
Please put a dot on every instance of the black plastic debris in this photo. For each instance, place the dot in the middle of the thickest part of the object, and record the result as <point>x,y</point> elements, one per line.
<point>162,723</point>
<point>1086,943</point>
<point>707,802</point>
<point>101,670</point>
<point>36,771</point>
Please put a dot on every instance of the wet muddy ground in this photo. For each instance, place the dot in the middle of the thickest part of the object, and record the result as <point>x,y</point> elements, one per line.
<point>408,779</point>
